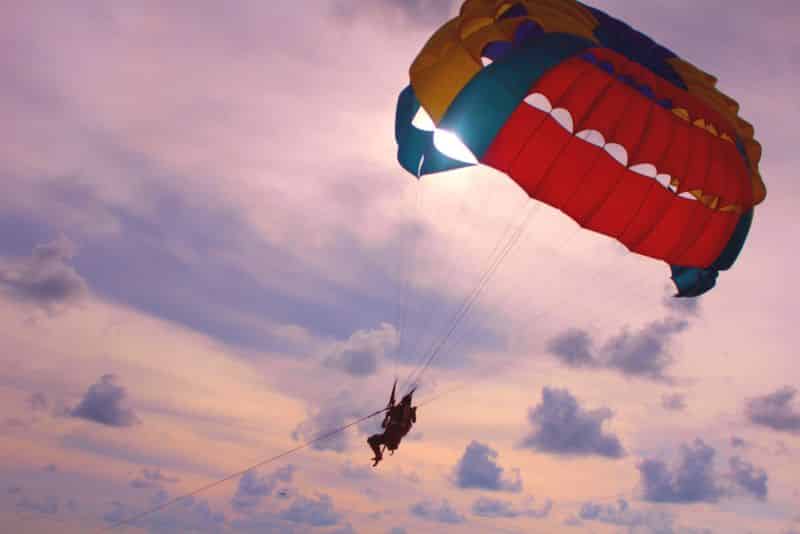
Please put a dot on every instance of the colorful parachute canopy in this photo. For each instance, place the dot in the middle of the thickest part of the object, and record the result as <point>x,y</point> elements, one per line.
<point>594,118</point>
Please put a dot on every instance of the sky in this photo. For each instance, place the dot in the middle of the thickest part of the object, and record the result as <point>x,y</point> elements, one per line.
<point>209,255</point>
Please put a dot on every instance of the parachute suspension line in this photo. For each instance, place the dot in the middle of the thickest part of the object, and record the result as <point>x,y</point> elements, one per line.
<point>511,225</point>
<point>636,289</point>
<point>553,307</point>
<point>463,334</point>
<point>508,229</point>
<point>427,313</point>
<point>472,299</point>
<point>410,282</point>
<point>428,335</point>
<point>237,474</point>
<point>477,293</point>
<point>404,289</point>
<point>131,520</point>
<point>469,301</point>
<point>569,296</point>
<point>509,291</point>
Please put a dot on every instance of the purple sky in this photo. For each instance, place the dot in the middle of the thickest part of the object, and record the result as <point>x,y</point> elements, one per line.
<point>208,254</point>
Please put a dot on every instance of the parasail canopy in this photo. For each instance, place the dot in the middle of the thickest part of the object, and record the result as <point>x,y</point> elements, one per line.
<point>594,118</point>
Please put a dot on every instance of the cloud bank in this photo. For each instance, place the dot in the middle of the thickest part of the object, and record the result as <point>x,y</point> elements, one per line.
<point>562,426</point>
<point>104,403</point>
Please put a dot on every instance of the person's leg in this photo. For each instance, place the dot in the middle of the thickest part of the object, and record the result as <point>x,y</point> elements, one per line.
<point>375,441</point>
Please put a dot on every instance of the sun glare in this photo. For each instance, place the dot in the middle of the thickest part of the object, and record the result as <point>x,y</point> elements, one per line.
<point>445,141</point>
<point>423,121</point>
<point>451,146</point>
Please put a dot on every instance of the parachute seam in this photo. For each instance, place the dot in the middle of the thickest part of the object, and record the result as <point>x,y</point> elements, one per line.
<point>595,101</point>
<point>528,139</point>
<point>652,185</point>
<point>585,220</point>
<point>682,248</point>
<point>671,204</point>
<point>621,175</point>
<point>658,218</point>
<point>653,82</point>
<point>590,109</point>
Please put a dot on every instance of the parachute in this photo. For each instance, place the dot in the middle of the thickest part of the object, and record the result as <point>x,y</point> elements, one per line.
<point>594,118</point>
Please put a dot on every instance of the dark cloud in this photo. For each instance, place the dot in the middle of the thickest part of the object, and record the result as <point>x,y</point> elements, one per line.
<point>574,348</point>
<point>47,505</point>
<point>44,278</point>
<point>159,497</point>
<point>642,354</point>
<point>561,426</point>
<point>38,402</point>
<point>187,515</point>
<point>119,512</point>
<point>344,529</point>
<point>51,468</point>
<point>355,362</point>
<point>621,514</point>
<point>691,480</point>
<point>104,403</point>
<point>441,512</point>
<point>251,489</point>
<point>739,443</point>
<point>317,512</point>
<point>360,354</point>
<point>152,478</point>
<point>266,523</point>
<point>156,475</point>
<point>675,402</point>
<point>478,469</point>
<point>356,472</point>
<point>254,487</point>
<point>397,530</point>
<point>775,410</point>
<point>486,507</point>
<point>746,476</point>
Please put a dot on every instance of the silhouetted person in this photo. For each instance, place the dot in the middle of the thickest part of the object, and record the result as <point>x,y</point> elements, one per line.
<point>397,423</point>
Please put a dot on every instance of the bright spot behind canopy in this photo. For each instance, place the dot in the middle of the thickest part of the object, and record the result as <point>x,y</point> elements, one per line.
<point>451,146</point>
